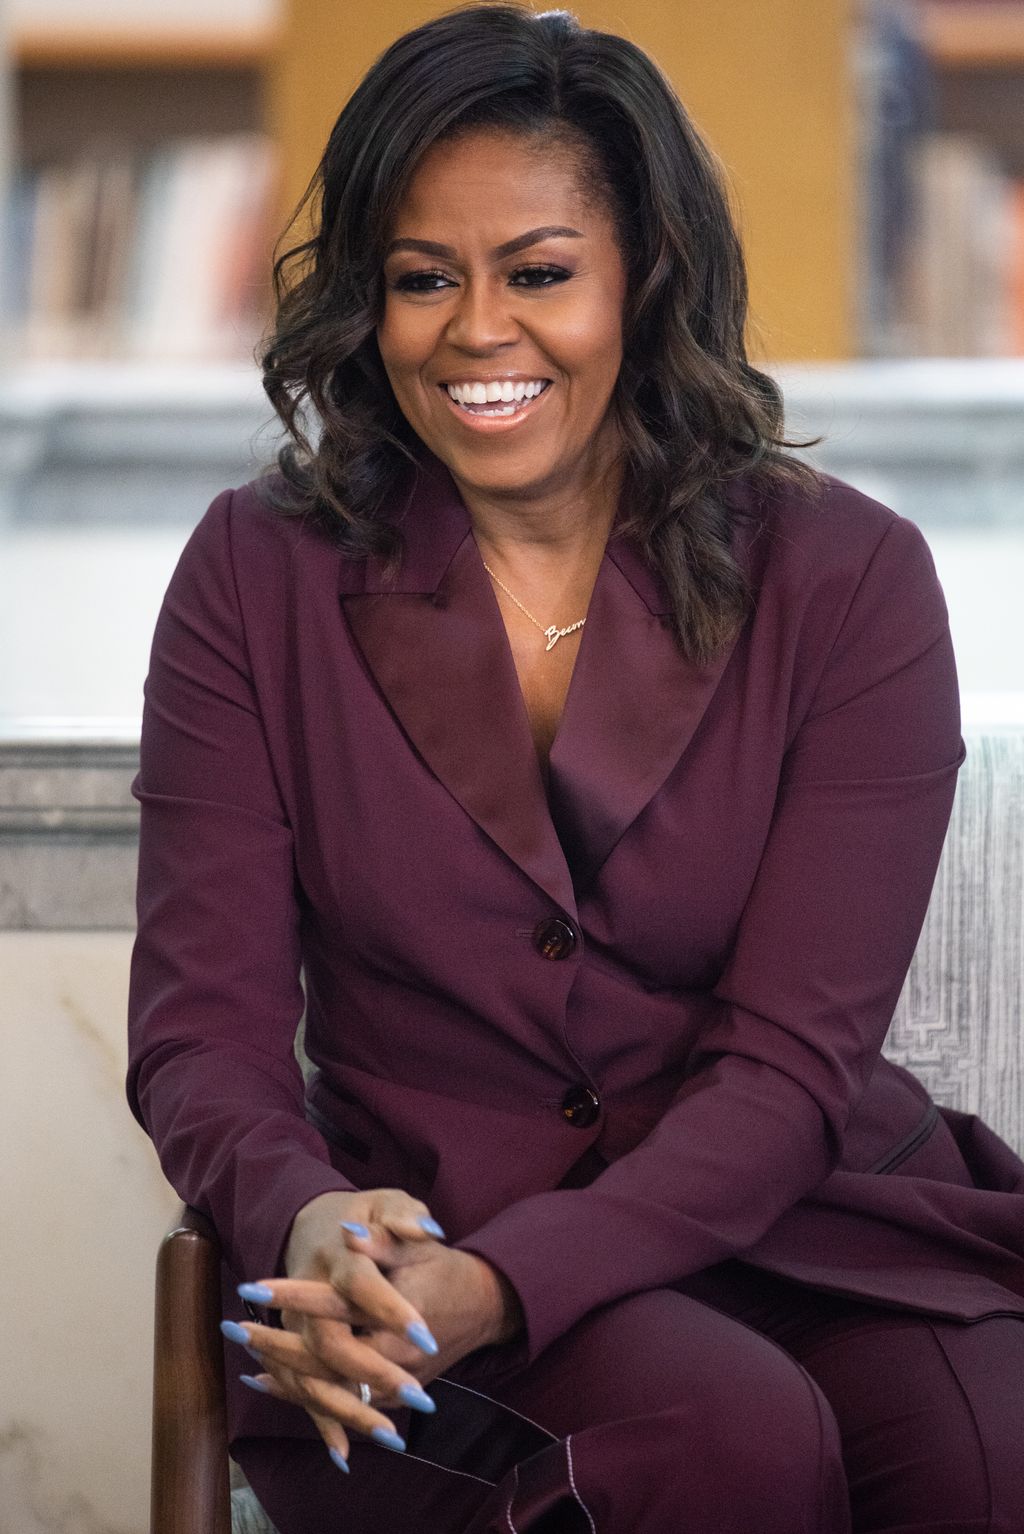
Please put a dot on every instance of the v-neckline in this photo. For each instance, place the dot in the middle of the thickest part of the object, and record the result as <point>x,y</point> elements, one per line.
<point>632,704</point>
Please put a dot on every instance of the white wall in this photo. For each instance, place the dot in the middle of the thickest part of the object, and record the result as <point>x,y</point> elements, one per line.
<point>84,1206</point>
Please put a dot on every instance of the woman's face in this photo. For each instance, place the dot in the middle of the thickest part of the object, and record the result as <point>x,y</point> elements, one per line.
<point>503,279</point>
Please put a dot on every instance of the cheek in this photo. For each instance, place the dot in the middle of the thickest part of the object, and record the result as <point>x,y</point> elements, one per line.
<point>593,353</point>
<point>402,343</point>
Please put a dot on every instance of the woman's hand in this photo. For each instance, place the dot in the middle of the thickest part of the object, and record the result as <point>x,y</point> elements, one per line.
<point>466,1303</point>
<point>345,1322</point>
<point>333,1291</point>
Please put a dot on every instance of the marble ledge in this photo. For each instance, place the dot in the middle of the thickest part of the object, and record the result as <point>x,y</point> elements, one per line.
<point>68,825</point>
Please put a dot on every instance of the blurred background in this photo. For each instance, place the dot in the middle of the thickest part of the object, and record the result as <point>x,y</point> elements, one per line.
<point>149,158</point>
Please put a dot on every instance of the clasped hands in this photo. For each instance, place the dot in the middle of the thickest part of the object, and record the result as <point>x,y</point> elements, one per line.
<point>371,1296</point>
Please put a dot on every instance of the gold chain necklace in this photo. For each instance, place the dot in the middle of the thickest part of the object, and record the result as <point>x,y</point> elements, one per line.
<point>551,634</point>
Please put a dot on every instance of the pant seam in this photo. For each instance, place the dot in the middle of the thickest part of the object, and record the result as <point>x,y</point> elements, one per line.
<point>575,1488</point>
<point>511,1499</point>
<point>974,1423</point>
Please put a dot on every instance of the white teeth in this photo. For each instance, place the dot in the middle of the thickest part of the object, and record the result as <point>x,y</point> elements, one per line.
<point>490,393</point>
<point>506,393</point>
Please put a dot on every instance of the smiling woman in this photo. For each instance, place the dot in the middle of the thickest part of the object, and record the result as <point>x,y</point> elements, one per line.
<point>594,202</point>
<point>589,758</point>
<point>541,307</point>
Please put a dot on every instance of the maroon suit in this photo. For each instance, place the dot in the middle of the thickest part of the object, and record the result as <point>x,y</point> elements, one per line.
<point>682,961</point>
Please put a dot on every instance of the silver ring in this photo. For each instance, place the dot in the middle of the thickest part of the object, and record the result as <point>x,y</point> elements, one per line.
<point>364,1392</point>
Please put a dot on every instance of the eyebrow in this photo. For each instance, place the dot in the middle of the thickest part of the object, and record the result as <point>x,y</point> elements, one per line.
<point>510,247</point>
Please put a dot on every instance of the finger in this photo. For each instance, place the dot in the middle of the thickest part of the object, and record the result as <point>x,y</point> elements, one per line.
<point>386,1248</point>
<point>376,1303</point>
<point>358,1293</point>
<point>407,1218</point>
<point>311,1297</point>
<point>330,1400</point>
<point>336,1439</point>
<point>327,1351</point>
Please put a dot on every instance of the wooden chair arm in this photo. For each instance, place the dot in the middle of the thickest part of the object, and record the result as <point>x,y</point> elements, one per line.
<point>190,1485</point>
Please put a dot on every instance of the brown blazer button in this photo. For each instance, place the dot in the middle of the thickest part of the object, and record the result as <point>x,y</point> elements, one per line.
<point>581,1107</point>
<point>554,938</point>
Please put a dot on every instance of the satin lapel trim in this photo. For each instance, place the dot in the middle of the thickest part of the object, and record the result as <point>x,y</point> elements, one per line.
<point>633,706</point>
<point>443,662</point>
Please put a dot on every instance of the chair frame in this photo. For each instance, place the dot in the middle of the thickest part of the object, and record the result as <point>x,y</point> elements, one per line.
<point>190,1486</point>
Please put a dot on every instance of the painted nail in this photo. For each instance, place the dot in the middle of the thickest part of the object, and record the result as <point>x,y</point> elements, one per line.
<point>431,1226</point>
<point>420,1335</point>
<point>418,1399</point>
<point>235,1333</point>
<point>253,1383</point>
<point>253,1354</point>
<point>256,1294</point>
<point>389,1439</point>
<point>340,1460</point>
<point>355,1228</point>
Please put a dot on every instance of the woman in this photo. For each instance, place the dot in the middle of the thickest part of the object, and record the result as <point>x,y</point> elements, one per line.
<point>592,757</point>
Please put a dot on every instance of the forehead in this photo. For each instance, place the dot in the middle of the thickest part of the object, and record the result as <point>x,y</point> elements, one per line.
<point>494,179</point>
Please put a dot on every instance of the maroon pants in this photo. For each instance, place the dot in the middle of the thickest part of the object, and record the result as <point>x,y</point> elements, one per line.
<point>736,1404</point>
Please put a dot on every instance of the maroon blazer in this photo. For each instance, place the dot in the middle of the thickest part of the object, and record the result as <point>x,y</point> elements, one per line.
<point>685,955</point>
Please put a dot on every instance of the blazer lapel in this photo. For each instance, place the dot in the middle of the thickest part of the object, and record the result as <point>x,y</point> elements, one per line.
<point>633,705</point>
<point>435,643</point>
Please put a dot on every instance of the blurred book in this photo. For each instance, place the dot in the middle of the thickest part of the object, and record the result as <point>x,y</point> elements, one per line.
<point>895,100</point>
<point>941,226</point>
<point>163,254</point>
<point>961,297</point>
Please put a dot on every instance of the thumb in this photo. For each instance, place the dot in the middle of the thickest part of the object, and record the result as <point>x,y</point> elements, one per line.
<point>384,1247</point>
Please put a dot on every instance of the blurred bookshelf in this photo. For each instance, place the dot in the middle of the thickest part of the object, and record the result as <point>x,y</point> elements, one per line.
<point>940,87</point>
<point>155,152</point>
<point>143,188</point>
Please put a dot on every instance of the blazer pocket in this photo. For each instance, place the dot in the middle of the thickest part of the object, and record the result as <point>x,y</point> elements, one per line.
<point>362,1146</point>
<point>918,1136</point>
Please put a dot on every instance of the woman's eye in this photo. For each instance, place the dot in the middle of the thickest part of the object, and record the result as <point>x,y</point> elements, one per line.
<point>540,276</point>
<point>522,277</point>
<point>421,282</point>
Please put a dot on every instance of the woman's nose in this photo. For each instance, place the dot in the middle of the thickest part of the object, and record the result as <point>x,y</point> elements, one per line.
<point>482,318</point>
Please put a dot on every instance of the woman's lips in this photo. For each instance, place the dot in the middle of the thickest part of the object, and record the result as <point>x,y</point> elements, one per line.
<point>474,419</point>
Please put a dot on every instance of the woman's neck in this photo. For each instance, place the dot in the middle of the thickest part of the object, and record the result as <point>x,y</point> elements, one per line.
<point>556,530</point>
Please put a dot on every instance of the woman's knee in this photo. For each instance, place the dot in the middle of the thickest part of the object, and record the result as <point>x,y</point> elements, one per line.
<point>932,1418</point>
<point>677,1412</point>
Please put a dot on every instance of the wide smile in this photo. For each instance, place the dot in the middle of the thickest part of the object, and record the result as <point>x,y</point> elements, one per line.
<point>493,415</point>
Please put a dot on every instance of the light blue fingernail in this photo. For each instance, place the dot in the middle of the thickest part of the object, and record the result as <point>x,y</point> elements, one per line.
<point>256,1294</point>
<point>253,1354</point>
<point>389,1439</point>
<point>431,1226</point>
<point>355,1227</point>
<point>235,1333</point>
<point>340,1460</point>
<point>253,1383</point>
<point>421,1336</point>
<point>418,1399</point>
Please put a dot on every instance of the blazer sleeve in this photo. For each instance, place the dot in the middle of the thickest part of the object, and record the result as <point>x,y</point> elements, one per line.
<point>215,997</point>
<point>810,986</point>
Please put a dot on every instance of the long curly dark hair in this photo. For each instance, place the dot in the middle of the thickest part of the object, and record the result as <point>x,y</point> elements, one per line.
<point>692,412</point>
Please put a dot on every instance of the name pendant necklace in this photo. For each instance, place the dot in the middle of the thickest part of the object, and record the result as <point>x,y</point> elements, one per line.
<point>552,634</point>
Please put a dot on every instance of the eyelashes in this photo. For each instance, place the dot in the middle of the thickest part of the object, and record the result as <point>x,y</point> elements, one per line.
<point>433,281</point>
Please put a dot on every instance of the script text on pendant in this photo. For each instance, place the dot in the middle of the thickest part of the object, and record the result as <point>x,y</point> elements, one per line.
<point>553,634</point>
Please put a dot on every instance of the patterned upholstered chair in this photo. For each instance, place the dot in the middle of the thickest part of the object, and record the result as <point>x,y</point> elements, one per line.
<point>958,1026</point>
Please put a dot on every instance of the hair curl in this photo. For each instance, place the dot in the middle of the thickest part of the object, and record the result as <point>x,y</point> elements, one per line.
<point>693,413</point>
